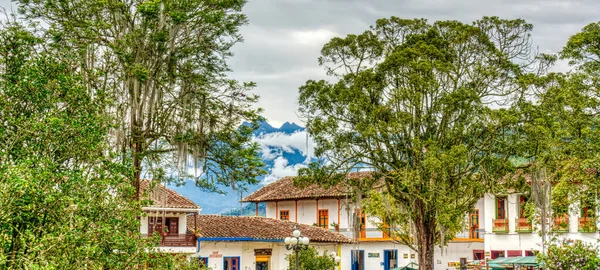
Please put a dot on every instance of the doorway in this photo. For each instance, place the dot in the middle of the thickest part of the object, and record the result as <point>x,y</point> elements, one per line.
<point>262,265</point>
<point>390,259</point>
<point>357,260</point>
<point>231,263</point>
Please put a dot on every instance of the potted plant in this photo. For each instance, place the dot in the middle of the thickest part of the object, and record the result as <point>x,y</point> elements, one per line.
<point>165,231</point>
<point>336,226</point>
<point>197,233</point>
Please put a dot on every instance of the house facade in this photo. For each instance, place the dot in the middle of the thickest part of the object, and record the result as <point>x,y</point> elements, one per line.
<point>509,233</point>
<point>167,215</point>
<point>255,243</point>
<point>333,209</point>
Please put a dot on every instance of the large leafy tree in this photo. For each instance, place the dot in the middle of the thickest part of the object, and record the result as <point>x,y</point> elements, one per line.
<point>64,202</point>
<point>163,63</point>
<point>420,104</point>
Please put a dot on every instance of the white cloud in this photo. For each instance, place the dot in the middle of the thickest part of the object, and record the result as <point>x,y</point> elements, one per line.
<point>316,37</point>
<point>285,142</point>
<point>281,169</point>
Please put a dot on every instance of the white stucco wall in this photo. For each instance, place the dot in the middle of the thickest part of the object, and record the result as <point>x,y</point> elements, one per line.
<point>245,250</point>
<point>307,213</point>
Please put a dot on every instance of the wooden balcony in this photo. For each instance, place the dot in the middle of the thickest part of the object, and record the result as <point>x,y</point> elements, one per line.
<point>177,240</point>
<point>523,225</point>
<point>560,224</point>
<point>500,226</point>
<point>587,225</point>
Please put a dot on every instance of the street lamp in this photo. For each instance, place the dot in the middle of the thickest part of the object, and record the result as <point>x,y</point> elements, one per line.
<point>296,243</point>
<point>335,258</point>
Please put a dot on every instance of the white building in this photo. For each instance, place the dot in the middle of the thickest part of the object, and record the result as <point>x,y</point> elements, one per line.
<point>255,243</point>
<point>508,233</point>
<point>333,209</point>
<point>167,215</point>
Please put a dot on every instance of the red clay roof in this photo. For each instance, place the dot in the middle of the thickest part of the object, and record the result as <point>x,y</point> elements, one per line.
<point>284,189</point>
<point>258,228</point>
<point>162,196</point>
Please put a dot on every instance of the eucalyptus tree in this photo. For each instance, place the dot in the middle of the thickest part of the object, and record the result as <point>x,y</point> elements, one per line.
<point>429,106</point>
<point>164,65</point>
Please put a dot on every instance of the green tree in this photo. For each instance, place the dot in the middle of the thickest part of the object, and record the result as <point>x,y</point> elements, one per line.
<point>418,103</point>
<point>62,198</point>
<point>559,130</point>
<point>163,64</point>
<point>311,260</point>
<point>576,255</point>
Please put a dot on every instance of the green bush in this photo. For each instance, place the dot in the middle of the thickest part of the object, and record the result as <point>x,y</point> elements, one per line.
<point>310,260</point>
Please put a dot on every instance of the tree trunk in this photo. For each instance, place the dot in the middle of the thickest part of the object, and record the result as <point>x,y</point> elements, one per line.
<point>425,234</point>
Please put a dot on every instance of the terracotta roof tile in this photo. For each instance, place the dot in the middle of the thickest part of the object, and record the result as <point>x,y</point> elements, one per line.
<point>284,189</point>
<point>162,196</point>
<point>258,228</point>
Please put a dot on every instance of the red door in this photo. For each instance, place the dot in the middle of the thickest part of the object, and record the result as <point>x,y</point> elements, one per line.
<point>154,224</point>
<point>174,226</point>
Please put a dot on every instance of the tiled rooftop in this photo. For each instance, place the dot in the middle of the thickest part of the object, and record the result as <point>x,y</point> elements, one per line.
<point>258,228</point>
<point>284,189</point>
<point>162,196</point>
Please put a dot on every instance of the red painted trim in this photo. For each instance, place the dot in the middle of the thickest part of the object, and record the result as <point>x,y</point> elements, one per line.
<point>338,221</point>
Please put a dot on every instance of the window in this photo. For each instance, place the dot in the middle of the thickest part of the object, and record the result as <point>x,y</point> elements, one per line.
<point>500,207</point>
<point>323,218</point>
<point>474,224</point>
<point>522,202</point>
<point>284,215</point>
<point>587,207</point>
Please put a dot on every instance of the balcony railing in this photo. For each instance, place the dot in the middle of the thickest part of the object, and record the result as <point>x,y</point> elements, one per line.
<point>560,224</point>
<point>587,225</point>
<point>500,225</point>
<point>475,235</point>
<point>177,240</point>
<point>523,225</point>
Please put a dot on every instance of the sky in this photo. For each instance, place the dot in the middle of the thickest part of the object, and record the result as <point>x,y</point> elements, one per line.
<point>283,38</point>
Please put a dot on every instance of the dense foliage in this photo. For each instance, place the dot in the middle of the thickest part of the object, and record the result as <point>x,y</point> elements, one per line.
<point>430,108</point>
<point>64,201</point>
<point>163,64</point>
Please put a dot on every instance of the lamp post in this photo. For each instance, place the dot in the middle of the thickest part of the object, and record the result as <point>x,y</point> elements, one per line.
<point>335,258</point>
<point>296,243</point>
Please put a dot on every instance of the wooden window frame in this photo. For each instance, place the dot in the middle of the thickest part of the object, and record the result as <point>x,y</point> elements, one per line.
<point>284,214</point>
<point>324,224</point>
<point>504,200</point>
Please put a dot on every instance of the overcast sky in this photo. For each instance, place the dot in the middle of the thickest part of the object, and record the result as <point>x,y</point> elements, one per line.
<point>284,37</point>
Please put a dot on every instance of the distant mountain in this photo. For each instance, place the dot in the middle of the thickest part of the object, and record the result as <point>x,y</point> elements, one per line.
<point>283,151</point>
